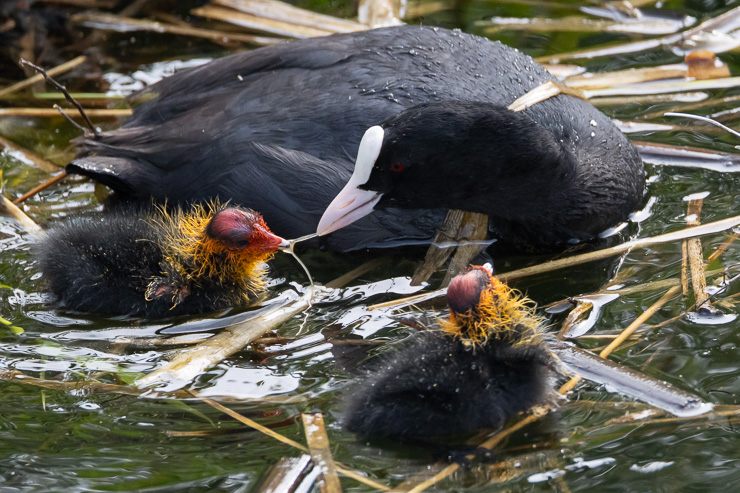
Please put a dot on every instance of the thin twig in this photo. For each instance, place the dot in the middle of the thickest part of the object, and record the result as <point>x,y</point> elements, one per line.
<point>39,188</point>
<point>60,69</point>
<point>64,91</point>
<point>69,119</point>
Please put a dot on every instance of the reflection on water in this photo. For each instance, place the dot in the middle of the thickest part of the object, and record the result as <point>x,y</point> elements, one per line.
<point>55,440</point>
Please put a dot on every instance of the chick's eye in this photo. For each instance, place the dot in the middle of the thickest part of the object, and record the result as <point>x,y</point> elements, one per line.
<point>396,167</point>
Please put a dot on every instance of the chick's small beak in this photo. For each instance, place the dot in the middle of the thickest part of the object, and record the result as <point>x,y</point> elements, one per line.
<point>269,242</point>
<point>352,202</point>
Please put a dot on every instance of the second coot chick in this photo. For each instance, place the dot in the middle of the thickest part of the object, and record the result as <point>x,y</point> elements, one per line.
<point>486,364</point>
<point>157,263</point>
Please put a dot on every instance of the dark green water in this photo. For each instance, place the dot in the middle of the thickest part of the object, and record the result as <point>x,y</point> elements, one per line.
<point>54,440</point>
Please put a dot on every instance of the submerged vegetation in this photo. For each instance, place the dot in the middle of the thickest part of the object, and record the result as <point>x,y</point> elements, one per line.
<point>225,401</point>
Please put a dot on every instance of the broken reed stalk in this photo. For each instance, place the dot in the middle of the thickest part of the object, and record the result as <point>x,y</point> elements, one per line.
<point>12,210</point>
<point>39,188</point>
<point>187,365</point>
<point>318,444</point>
<point>285,475</point>
<point>692,219</point>
<point>60,69</point>
<point>471,227</point>
<point>42,163</point>
<point>549,266</point>
<point>695,259</point>
<point>459,226</point>
<point>570,385</point>
<point>574,316</point>
<point>249,422</point>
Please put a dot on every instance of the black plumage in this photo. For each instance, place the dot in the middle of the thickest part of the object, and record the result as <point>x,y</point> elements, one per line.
<point>151,263</point>
<point>454,380</point>
<point>537,190</point>
<point>277,129</point>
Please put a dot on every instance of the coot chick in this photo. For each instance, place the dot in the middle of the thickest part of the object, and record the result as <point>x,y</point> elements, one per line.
<point>537,188</point>
<point>487,363</point>
<point>276,129</point>
<point>157,263</point>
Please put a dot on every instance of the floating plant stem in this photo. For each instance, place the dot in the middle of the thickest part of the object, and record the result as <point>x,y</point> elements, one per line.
<point>705,119</point>
<point>9,208</point>
<point>42,163</point>
<point>549,266</point>
<point>570,385</point>
<point>39,188</point>
<point>318,444</point>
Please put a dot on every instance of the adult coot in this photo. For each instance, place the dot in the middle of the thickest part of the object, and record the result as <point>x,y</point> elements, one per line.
<point>277,128</point>
<point>539,186</point>
<point>487,363</point>
<point>157,263</point>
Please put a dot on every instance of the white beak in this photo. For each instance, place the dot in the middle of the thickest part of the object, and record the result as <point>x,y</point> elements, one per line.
<point>352,203</point>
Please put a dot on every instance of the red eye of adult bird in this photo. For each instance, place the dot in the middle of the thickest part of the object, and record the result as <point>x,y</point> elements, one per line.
<point>396,167</point>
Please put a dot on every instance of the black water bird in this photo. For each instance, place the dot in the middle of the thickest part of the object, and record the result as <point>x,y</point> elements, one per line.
<point>155,263</point>
<point>276,129</point>
<point>540,186</point>
<point>487,363</point>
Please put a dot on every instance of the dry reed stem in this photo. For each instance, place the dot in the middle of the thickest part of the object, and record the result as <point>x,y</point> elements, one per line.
<point>722,248</point>
<point>318,444</point>
<point>249,422</point>
<point>285,475</point>
<point>12,210</point>
<point>51,112</point>
<point>459,226</point>
<point>695,259</point>
<point>574,316</point>
<point>42,163</point>
<point>630,76</point>
<point>114,22</point>
<point>259,23</point>
<point>19,377</point>
<point>190,363</point>
<point>277,436</point>
<point>721,24</point>
<point>281,11</point>
<point>569,385</point>
<point>684,269</point>
<point>549,266</point>
<point>60,69</point>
